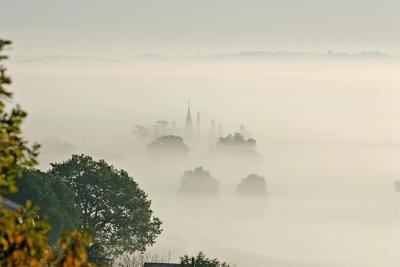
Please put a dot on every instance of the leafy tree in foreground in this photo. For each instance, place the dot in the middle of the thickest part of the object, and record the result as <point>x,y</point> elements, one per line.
<point>198,182</point>
<point>53,195</point>
<point>253,186</point>
<point>23,240</point>
<point>202,260</point>
<point>112,205</point>
<point>14,150</point>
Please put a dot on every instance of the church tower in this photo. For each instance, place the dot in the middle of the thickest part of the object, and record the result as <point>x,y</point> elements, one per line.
<point>220,130</point>
<point>198,127</point>
<point>188,132</point>
<point>212,136</point>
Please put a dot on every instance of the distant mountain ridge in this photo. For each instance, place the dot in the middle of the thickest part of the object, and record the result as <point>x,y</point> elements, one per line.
<point>262,54</point>
<point>249,54</point>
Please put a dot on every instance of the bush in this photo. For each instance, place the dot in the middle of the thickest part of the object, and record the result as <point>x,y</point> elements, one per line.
<point>252,186</point>
<point>198,182</point>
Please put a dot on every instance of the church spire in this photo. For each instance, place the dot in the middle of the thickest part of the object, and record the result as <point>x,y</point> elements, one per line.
<point>198,130</point>
<point>188,133</point>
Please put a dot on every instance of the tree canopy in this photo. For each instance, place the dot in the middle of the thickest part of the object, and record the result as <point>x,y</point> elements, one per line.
<point>237,143</point>
<point>397,186</point>
<point>168,144</point>
<point>56,199</point>
<point>237,140</point>
<point>253,186</point>
<point>198,181</point>
<point>112,205</point>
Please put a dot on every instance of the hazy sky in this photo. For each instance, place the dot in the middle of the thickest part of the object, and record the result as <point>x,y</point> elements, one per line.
<point>199,27</point>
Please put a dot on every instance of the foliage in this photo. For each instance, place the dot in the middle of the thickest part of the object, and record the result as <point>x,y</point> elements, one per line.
<point>237,143</point>
<point>14,150</point>
<point>112,205</point>
<point>73,245</point>
<point>397,186</point>
<point>202,260</point>
<point>237,140</point>
<point>53,195</point>
<point>253,185</point>
<point>198,181</point>
<point>23,240</point>
<point>168,143</point>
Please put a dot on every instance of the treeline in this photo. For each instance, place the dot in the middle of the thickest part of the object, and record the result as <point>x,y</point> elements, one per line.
<point>82,193</point>
<point>200,182</point>
<point>172,145</point>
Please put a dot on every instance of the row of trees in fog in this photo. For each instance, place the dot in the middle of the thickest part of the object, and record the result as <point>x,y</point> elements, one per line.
<point>234,144</point>
<point>200,182</point>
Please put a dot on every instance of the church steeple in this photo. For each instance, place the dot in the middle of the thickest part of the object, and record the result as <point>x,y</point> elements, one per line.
<point>188,133</point>
<point>198,127</point>
<point>213,132</point>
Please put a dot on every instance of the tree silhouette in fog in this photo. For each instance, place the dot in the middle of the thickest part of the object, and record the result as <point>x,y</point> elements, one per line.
<point>198,182</point>
<point>397,186</point>
<point>252,186</point>
<point>237,144</point>
<point>168,144</point>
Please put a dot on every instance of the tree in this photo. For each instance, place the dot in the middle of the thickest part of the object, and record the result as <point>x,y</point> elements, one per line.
<point>253,185</point>
<point>112,205</point>
<point>202,260</point>
<point>397,186</point>
<point>14,150</point>
<point>237,143</point>
<point>168,144</point>
<point>198,182</point>
<point>53,195</point>
<point>23,240</point>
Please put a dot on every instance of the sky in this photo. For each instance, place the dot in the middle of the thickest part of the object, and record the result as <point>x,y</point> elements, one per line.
<point>199,27</point>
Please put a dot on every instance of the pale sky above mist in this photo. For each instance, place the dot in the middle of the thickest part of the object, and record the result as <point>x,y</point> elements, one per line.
<point>199,27</point>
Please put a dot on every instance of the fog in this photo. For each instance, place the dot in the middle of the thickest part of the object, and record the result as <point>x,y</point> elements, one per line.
<point>328,140</point>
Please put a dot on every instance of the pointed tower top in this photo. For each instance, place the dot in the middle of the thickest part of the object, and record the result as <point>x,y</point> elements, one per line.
<point>188,132</point>
<point>188,115</point>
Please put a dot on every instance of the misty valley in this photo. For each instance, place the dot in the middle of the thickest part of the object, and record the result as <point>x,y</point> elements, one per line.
<point>153,133</point>
<point>260,185</point>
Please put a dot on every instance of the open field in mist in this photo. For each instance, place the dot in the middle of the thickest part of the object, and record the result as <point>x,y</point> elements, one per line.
<point>327,131</point>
